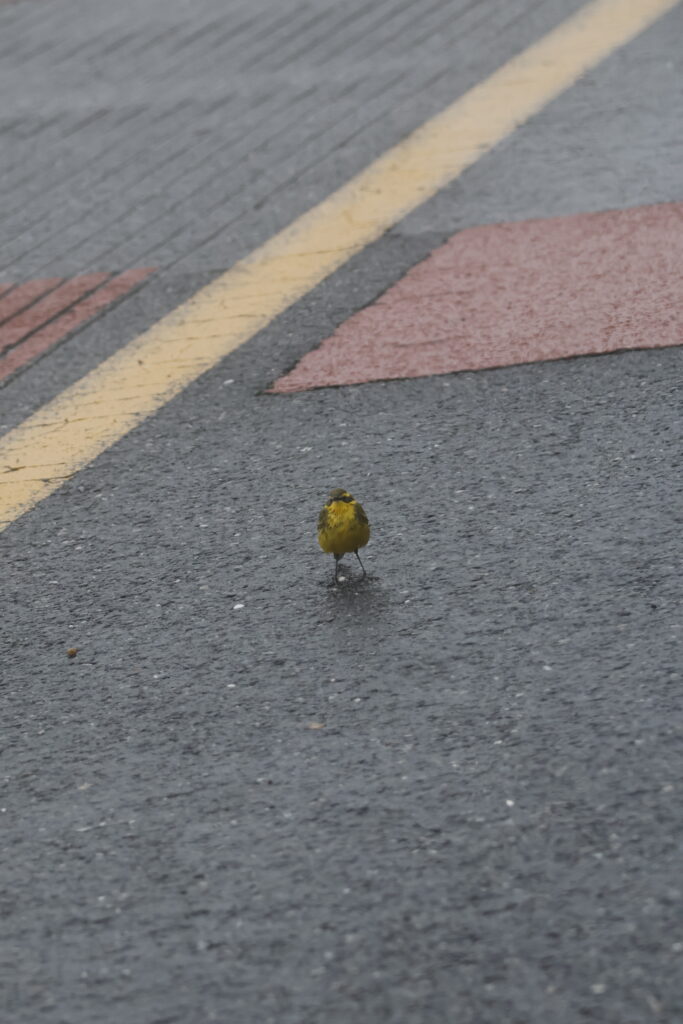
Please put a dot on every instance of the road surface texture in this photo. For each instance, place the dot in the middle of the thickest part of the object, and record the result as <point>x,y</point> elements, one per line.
<point>448,793</point>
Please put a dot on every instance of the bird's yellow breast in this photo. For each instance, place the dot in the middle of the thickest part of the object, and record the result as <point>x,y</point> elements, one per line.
<point>343,527</point>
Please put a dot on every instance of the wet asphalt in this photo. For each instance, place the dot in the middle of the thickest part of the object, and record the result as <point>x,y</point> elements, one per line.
<point>448,792</point>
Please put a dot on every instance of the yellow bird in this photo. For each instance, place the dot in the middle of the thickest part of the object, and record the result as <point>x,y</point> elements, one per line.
<point>343,527</point>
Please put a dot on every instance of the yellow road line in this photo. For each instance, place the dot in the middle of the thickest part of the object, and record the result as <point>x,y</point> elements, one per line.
<point>85,419</point>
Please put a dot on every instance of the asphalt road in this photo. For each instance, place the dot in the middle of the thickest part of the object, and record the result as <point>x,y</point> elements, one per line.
<point>448,793</point>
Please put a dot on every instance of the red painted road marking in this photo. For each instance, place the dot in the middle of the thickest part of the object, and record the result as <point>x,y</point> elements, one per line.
<point>39,326</point>
<point>18,297</point>
<point>516,293</point>
<point>55,302</point>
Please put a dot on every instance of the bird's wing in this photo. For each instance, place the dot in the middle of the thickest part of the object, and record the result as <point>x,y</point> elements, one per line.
<point>323,519</point>
<point>360,514</point>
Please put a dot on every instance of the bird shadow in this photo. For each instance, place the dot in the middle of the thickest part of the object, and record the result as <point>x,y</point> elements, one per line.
<point>348,580</point>
<point>362,599</point>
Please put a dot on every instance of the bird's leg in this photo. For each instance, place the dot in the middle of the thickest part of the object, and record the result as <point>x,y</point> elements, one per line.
<point>361,564</point>
<point>336,568</point>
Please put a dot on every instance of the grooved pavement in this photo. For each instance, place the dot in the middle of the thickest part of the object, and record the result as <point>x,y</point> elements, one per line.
<point>157,130</point>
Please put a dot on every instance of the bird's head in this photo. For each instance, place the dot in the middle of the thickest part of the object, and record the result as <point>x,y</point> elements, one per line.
<point>339,494</point>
